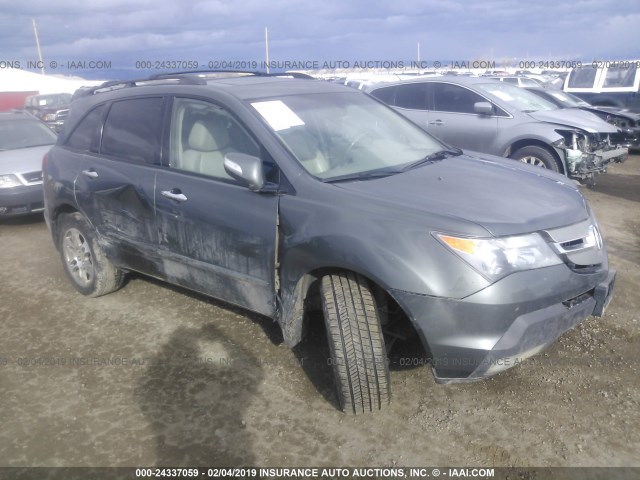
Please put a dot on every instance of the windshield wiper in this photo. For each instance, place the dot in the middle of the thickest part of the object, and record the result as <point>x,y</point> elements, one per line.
<point>434,157</point>
<point>363,175</point>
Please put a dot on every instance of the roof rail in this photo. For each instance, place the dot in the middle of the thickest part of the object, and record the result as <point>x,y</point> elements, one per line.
<point>193,77</point>
<point>118,84</point>
<point>227,73</point>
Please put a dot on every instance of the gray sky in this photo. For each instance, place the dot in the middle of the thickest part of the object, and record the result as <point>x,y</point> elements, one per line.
<point>124,31</point>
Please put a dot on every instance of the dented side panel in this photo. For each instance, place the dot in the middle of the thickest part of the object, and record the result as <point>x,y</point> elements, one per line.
<point>220,240</point>
<point>118,199</point>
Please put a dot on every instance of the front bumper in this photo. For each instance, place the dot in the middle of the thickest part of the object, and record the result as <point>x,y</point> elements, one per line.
<point>583,165</point>
<point>21,200</point>
<point>630,137</point>
<point>497,328</point>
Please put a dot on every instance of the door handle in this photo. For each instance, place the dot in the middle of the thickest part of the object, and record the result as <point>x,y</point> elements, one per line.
<point>91,173</point>
<point>436,122</point>
<point>174,194</point>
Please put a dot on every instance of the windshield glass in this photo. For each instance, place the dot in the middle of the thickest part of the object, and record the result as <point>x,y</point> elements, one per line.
<point>516,97</point>
<point>528,82</point>
<point>24,134</point>
<point>54,100</point>
<point>338,134</point>
<point>567,100</point>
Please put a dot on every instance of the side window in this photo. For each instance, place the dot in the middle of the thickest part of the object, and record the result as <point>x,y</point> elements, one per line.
<point>86,136</point>
<point>202,134</point>
<point>510,80</point>
<point>412,95</point>
<point>582,77</point>
<point>453,98</point>
<point>620,77</point>
<point>385,95</point>
<point>132,130</point>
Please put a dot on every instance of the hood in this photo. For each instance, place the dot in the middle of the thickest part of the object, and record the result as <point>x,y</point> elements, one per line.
<point>52,109</point>
<point>502,196</point>
<point>22,160</point>
<point>575,118</point>
<point>623,112</point>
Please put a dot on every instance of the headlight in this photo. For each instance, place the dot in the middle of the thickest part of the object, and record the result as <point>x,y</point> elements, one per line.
<point>495,258</point>
<point>8,181</point>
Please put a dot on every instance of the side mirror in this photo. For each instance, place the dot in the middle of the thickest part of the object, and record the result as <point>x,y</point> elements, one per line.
<point>483,108</point>
<point>247,169</point>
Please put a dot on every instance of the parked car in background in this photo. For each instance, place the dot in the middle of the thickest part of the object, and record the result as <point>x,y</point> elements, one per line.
<point>628,122</point>
<point>285,196</point>
<point>608,84</point>
<point>484,115</point>
<point>518,81</point>
<point>23,142</point>
<point>52,109</point>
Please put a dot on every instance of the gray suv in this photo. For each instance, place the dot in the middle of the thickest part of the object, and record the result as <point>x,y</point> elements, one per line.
<point>285,196</point>
<point>488,116</point>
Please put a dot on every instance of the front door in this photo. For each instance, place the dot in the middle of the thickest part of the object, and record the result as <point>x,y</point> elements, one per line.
<point>453,120</point>
<point>215,236</point>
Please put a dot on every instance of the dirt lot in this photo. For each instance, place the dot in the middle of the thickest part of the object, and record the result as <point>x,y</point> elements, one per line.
<point>153,375</point>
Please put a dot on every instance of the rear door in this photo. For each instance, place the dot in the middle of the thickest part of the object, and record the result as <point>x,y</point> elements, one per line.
<point>215,236</point>
<point>115,187</point>
<point>409,99</point>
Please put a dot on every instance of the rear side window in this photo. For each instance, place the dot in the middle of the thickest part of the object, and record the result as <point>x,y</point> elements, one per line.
<point>86,136</point>
<point>132,130</point>
<point>385,95</point>
<point>412,95</point>
<point>620,77</point>
<point>582,77</point>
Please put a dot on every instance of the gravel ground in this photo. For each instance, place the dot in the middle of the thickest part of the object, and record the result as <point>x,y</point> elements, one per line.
<point>154,375</point>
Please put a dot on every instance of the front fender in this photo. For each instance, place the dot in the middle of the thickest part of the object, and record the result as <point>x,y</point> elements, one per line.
<point>394,253</point>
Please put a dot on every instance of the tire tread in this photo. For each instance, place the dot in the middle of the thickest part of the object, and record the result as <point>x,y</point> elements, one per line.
<point>356,343</point>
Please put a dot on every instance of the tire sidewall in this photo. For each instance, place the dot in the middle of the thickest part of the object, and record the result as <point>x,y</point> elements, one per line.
<point>79,223</point>
<point>541,154</point>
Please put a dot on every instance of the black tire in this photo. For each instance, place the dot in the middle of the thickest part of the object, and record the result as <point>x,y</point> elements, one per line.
<point>356,343</point>
<point>538,157</point>
<point>84,262</point>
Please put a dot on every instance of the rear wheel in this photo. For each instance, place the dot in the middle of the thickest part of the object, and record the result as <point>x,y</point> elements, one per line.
<point>84,261</point>
<point>537,156</point>
<point>358,354</point>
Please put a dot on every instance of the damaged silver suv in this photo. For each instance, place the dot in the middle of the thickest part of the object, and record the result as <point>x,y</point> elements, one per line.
<point>282,195</point>
<point>488,116</point>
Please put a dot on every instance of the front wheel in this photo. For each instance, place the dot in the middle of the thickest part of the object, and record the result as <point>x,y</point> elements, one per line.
<point>537,156</point>
<point>84,261</point>
<point>358,354</point>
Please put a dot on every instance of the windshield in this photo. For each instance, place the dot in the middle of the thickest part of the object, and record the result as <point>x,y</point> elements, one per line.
<point>528,82</point>
<point>54,100</point>
<point>24,134</point>
<point>341,134</point>
<point>567,100</point>
<point>516,97</point>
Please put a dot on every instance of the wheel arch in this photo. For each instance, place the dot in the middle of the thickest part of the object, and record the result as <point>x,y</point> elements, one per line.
<point>62,209</point>
<point>293,317</point>
<point>532,142</point>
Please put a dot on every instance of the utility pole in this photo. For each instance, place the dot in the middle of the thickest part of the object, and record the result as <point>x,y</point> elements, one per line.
<point>266,46</point>
<point>35,32</point>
